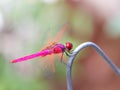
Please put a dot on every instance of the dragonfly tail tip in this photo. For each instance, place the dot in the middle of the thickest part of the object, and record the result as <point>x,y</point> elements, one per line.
<point>13,61</point>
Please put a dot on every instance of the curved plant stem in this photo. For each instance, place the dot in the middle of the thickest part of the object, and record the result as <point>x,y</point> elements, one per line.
<point>77,50</point>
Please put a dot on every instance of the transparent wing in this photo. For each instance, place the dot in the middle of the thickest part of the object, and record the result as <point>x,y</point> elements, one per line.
<point>61,33</point>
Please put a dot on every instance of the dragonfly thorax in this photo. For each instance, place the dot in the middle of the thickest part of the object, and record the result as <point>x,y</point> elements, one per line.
<point>59,48</point>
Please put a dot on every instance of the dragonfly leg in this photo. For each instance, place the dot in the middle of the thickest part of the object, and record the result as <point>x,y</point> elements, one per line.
<point>68,53</point>
<point>71,52</point>
<point>61,59</point>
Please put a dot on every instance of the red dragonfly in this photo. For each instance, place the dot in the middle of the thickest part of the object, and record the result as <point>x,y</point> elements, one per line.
<point>54,48</point>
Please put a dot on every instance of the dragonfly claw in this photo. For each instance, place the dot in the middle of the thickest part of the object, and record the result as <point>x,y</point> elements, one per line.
<point>68,53</point>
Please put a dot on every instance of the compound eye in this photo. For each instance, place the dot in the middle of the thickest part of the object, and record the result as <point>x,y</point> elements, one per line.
<point>69,45</point>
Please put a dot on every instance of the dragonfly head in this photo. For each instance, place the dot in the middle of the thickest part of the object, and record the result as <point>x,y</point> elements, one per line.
<point>69,45</point>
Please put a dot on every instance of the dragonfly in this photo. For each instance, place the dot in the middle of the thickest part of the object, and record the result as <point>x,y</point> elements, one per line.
<point>53,48</point>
